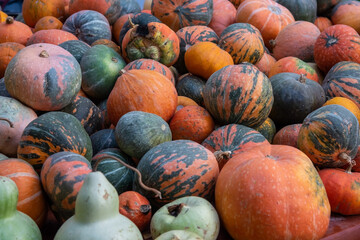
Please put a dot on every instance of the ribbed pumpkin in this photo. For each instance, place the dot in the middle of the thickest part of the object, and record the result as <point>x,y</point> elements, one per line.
<point>188,37</point>
<point>229,140</point>
<point>51,36</point>
<point>342,188</point>
<point>293,65</point>
<point>33,10</point>
<point>14,31</point>
<point>7,51</point>
<point>244,43</point>
<point>287,135</point>
<point>239,94</point>
<point>31,199</point>
<point>347,103</point>
<point>301,9</point>
<point>295,97</point>
<point>76,47</point>
<point>322,23</point>
<point>144,63</point>
<point>266,15</point>
<point>191,123</point>
<point>116,173</point>
<point>62,176</point>
<point>177,169</point>
<point>3,16</point>
<point>112,9</point>
<point>179,14</point>
<point>265,64</point>
<point>329,136</point>
<point>280,189</point>
<point>335,44</point>
<point>224,14</point>
<point>50,133</point>
<point>297,40</point>
<point>348,13</point>
<point>105,138</point>
<point>205,58</point>
<point>43,76</point>
<point>142,90</point>
<point>48,22</point>
<point>153,40</point>
<point>267,129</point>
<point>343,80</point>
<point>137,132</point>
<point>191,86</point>
<point>88,26</point>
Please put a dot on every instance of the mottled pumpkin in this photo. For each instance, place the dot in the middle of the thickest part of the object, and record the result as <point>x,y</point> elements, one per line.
<point>33,10</point>
<point>51,36</point>
<point>14,31</point>
<point>191,86</point>
<point>348,13</point>
<point>7,51</point>
<point>224,14</point>
<point>347,103</point>
<point>48,22</point>
<point>117,26</point>
<point>267,129</point>
<point>287,135</point>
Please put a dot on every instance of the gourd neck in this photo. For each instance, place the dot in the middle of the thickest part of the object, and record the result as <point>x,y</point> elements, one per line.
<point>8,197</point>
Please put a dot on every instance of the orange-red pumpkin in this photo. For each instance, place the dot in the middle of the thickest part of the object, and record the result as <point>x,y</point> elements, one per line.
<point>14,31</point>
<point>322,23</point>
<point>3,16</point>
<point>265,64</point>
<point>224,14</point>
<point>51,36</point>
<point>48,22</point>
<point>116,28</point>
<point>287,135</point>
<point>33,10</point>
<point>348,13</point>
<point>7,51</point>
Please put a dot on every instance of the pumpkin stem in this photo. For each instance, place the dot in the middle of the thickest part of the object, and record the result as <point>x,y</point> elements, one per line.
<point>132,25</point>
<point>175,210</point>
<point>8,121</point>
<point>344,157</point>
<point>272,43</point>
<point>44,54</point>
<point>9,20</point>
<point>302,78</point>
<point>220,155</point>
<point>142,185</point>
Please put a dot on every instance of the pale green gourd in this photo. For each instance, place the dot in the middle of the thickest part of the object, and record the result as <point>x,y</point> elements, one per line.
<point>179,235</point>
<point>97,214</point>
<point>14,224</point>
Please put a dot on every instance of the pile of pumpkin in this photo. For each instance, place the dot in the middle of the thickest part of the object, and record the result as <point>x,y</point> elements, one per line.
<point>179,117</point>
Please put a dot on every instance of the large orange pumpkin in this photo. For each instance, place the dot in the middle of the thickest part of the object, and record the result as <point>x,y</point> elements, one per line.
<point>14,31</point>
<point>33,10</point>
<point>348,13</point>
<point>272,192</point>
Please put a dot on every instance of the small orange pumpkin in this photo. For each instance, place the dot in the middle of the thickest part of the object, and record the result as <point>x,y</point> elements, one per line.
<point>52,36</point>
<point>33,10</point>
<point>48,22</point>
<point>322,23</point>
<point>14,31</point>
<point>7,51</point>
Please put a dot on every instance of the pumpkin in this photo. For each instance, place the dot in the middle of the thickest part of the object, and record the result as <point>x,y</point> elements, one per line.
<point>322,23</point>
<point>62,176</point>
<point>342,81</point>
<point>180,234</point>
<point>192,87</point>
<point>34,10</point>
<point>301,9</point>
<point>136,207</point>
<point>294,65</point>
<point>89,115</point>
<point>88,26</point>
<point>287,135</point>
<point>3,16</point>
<point>142,90</point>
<point>137,132</point>
<point>117,26</point>
<point>271,183</point>
<point>229,140</point>
<point>244,43</point>
<point>106,121</point>
<point>100,67</point>
<point>185,101</point>
<point>297,40</point>
<point>107,43</point>
<point>14,224</point>
<point>224,14</point>
<point>179,14</point>
<point>267,129</point>
<point>348,13</point>
<point>43,76</point>
<point>120,176</point>
<point>342,188</point>
<point>265,64</point>
<point>270,17</point>
<point>191,123</point>
<point>177,168</point>
<point>324,6</point>
<point>112,9</point>
<point>347,103</point>
<point>7,51</point>
<point>14,31</point>
<point>50,133</point>
<point>48,22</point>
<point>205,58</point>
<point>188,37</point>
<point>239,94</point>
<point>329,136</point>
<point>51,36</point>
<point>151,64</point>
<point>335,44</point>
<point>76,47</point>
<point>103,139</point>
<point>31,199</point>
<point>153,40</point>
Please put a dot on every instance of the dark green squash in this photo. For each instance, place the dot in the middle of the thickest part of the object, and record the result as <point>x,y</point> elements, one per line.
<point>76,47</point>
<point>301,9</point>
<point>103,139</point>
<point>191,86</point>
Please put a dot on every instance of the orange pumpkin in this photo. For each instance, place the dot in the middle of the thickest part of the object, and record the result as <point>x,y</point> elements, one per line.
<point>33,10</point>
<point>266,15</point>
<point>185,101</point>
<point>322,23</point>
<point>348,13</point>
<point>266,63</point>
<point>287,135</point>
<point>142,90</point>
<point>32,199</point>
<point>205,58</point>
<point>280,189</point>
<point>224,14</point>
<point>3,16</point>
<point>14,31</point>
<point>48,22</point>
<point>116,28</point>
<point>52,36</point>
<point>7,51</point>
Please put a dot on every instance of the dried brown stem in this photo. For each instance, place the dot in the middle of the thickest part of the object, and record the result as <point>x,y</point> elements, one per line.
<point>345,157</point>
<point>8,121</point>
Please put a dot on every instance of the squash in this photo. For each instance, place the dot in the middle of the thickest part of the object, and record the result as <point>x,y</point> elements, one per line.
<point>191,86</point>
<point>107,43</point>
<point>76,47</point>
<point>267,129</point>
<point>117,26</point>
<point>179,234</point>
<point>3,16</point>
<point>224,14</point>
<point>51,36</point>
<point>348,13</point>
<point>97,214</point>
<point>7,51</point>
<point>265,64</point>
<point>347,103</point>
<point>103,139</point>
<point>305,10</point>
<point>324,6</point>
<point>14,31</point>
<point>48,22</point>
<point>271,183</point>
<point>185,101</point>
<point>14,224</point>
<point>322,23</point>
<point>287,135</point>
<point>34,10</point>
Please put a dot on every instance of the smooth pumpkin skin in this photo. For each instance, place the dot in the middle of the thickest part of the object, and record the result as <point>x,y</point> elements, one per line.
<point>33,10</point>
<point>279,188</point>
<point>14,31</point>
<point>48,22</point>
<point>31,200</point>
<point>347,103</point>
<point>3,16</point>
<point>265,64</point>
<point>342,188</point>
<point>51,36</point>
<point>322,23</point>
<point>191,86</point>
<point>287,135</point>
<point>76,47</point>
<point>224,14</point>
<point>43,76</point>
<point>348,13</point>
<point>185,101</point>
<point>301,9</point>
<point>327,133</point>
<point>103,139</point>
<point>7,51</point>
